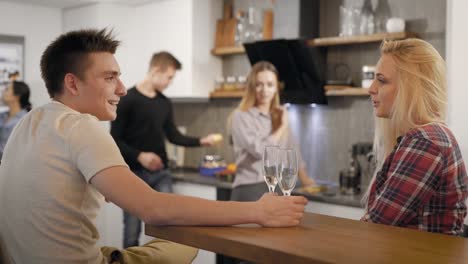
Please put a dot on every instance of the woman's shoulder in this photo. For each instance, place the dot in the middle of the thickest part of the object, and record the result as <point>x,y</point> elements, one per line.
<point>436,133</point>
<point>241,114</point>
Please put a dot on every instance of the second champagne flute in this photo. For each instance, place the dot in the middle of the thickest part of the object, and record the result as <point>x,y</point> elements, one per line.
<point>288,168</point>
<point>270,167</point>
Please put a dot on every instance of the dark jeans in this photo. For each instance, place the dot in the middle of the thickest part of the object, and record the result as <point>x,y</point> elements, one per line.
<point>161,181</point>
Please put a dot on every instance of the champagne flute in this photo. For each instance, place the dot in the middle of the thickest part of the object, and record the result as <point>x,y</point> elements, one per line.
<point>270,168</point>
<point>288,168</point>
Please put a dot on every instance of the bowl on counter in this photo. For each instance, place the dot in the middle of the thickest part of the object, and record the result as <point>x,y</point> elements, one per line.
<point>212,164</point>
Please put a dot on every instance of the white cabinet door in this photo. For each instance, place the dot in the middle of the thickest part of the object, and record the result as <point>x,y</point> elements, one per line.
<point>348,212</point>
<point>195,190</point>
<point>200,191</point>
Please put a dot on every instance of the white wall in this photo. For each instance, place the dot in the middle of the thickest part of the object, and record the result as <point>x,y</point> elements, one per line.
<point>177,26</point>
<point>457,56</point>
<point>205,66</point>
<point>165,25</point>
<point>112,16</point>
<point>39,26</point>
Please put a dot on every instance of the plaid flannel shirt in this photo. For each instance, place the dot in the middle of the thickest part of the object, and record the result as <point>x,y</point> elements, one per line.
<point>422,183</point>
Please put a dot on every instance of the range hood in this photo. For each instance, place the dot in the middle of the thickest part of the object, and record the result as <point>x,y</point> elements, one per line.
<point>301,68</point>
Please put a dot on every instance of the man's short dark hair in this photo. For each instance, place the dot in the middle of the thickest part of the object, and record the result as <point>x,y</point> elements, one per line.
<point>69,54</point>
<point>163,60</point>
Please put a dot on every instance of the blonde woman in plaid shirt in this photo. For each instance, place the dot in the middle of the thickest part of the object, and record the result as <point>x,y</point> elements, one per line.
<point>421,182</point>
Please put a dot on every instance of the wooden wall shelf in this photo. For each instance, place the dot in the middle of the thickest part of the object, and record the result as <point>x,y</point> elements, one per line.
<point>349,91</point>
<point>227,94</point>
<point>221,51</point>
<point>324,42</point>
<point>334,41</point>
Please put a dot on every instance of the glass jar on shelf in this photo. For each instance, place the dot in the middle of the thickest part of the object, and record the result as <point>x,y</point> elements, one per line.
<point>219,83</point>
<point>230,83</point>
<point>241,82</point>
<point>349,20</point>
<point>252,30</point>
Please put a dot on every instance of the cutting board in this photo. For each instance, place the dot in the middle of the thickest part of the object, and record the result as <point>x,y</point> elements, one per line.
<point>268,24</point>
<point>229,32</point>
<point>219,40</point>
<point>226,29</point>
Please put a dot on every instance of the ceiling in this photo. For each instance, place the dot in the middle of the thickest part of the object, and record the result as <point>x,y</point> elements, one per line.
<point>76,3</point>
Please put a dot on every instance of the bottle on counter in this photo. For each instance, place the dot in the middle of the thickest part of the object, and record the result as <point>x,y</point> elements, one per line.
<point>382,14</point>
<point>350,178</point>
<point>355,168</point>
<point>240,27</point>
<point>252,31</point>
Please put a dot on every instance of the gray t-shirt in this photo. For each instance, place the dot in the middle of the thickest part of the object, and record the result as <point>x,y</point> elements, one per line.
<point>251,132</point>
<point>48,207</point>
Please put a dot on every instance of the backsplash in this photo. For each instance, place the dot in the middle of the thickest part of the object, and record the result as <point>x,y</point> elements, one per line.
<point>325,133</point>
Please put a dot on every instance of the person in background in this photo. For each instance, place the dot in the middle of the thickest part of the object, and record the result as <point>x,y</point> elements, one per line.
<point>258,121</point>
<point>144,120</point>
<point>421,182</point>
<point>16,97</point>
<point>65,165</point>
<point>13,76</point>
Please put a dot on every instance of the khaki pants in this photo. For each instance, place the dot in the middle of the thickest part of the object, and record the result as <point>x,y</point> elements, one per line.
<point>156,251</point>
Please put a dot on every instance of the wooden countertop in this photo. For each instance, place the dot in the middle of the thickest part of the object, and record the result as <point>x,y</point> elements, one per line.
<point>321,239</point>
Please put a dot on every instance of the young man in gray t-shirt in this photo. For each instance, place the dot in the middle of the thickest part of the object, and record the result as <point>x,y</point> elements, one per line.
<point>59,164</point>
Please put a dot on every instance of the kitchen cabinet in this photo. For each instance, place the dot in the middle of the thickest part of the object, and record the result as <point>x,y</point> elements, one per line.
<point>354,213</point>
<point>200,191</point>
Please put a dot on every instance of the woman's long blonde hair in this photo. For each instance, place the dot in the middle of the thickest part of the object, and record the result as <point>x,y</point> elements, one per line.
<point>249,97</point>
<point>421,95</point>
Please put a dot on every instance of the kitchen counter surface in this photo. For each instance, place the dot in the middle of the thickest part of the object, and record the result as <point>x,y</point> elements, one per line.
<point>333,198</point>
<point>193,176</point>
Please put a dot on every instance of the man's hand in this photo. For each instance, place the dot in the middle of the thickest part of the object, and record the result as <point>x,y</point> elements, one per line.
<point>280,211</point>
<point>150,161</point>
<point>211,139</point>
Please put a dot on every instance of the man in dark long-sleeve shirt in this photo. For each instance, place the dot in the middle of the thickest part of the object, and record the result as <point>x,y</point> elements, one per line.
<point>142,125</point>
<point>144,121</point>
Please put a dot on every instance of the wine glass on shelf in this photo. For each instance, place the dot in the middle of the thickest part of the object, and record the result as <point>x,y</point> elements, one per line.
<point>288,168</point>
<point>270,166</point>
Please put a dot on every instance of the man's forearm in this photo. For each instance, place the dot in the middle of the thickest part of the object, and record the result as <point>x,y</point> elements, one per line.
<point>184,210</point>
